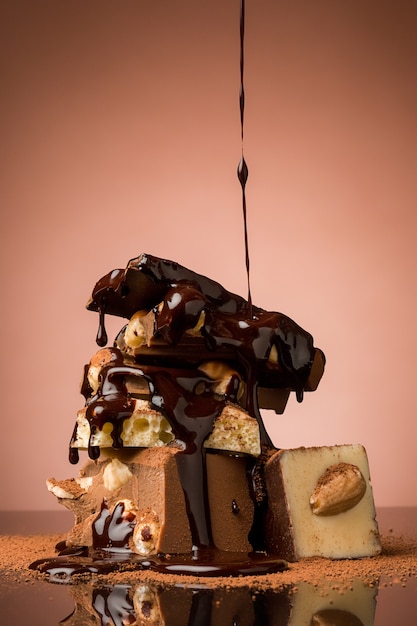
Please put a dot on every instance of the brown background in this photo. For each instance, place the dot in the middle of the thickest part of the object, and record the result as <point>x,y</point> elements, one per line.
<point>120,135</point>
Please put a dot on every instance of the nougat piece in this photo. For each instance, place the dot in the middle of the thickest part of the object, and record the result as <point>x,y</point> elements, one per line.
<point>320,503</point>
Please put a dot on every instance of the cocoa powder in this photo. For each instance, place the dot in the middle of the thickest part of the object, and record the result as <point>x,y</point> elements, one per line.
<point>397,565</point>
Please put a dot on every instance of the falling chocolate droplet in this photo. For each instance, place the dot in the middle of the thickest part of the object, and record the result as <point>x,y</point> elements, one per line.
<point>242,172</point>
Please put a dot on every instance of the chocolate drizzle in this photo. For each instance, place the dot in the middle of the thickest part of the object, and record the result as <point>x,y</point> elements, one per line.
<point>113,530</point>
<point>102,338</point>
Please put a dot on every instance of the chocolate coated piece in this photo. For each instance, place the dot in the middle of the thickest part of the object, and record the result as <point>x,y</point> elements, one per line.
<point>175,301</point>
<point>230,328</point>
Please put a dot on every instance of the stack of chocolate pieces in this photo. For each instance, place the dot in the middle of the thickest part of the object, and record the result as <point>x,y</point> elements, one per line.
<point>182,469</point>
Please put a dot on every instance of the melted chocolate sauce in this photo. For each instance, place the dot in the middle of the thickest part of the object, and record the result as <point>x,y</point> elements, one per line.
<point>113,530</point>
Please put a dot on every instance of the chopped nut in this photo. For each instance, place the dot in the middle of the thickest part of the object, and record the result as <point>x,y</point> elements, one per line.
<point>68,489</point>
<point>146,533</point>
<point>115,475</point>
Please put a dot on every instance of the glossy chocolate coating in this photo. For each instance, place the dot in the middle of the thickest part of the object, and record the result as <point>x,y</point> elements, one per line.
<point>231,329</point>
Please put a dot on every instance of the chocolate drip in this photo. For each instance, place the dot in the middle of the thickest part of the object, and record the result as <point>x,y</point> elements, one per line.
<point>113,530</point>
<point>147,281</point>
<point>102,338</point>
<point>189,405</point>
<point>191,416</point>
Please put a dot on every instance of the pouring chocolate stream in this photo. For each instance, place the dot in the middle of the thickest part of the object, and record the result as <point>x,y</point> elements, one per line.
<point>190,318</point>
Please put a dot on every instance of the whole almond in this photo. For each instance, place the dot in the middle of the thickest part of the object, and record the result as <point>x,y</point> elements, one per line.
<point>339,489</point>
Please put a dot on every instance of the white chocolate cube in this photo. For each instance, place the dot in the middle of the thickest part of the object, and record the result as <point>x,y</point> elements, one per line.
<point>349,528</point>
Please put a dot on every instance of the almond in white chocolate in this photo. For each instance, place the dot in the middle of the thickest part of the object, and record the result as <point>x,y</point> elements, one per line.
<point>339,489</point>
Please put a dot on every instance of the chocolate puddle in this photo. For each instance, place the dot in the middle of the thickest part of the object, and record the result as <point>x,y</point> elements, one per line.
<point>210,563</point>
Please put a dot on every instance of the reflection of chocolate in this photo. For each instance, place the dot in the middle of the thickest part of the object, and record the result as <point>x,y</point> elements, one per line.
<point>146,604</point>
<point>113,606</point>
<point>335,617</point>
<point>149,604</point>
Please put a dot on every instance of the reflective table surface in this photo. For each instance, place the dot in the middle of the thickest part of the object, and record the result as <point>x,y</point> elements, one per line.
<point>27,600</point>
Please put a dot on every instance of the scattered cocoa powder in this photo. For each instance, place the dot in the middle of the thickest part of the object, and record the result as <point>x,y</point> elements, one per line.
<point>397,565</point>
